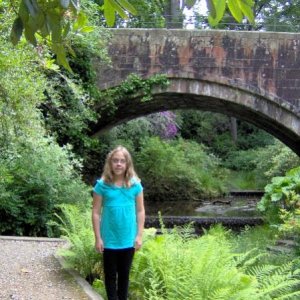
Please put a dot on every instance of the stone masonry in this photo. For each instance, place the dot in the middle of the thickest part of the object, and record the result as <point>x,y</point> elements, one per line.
<point>253,76</point>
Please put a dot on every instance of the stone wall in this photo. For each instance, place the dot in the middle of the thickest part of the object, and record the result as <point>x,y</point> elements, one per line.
<point>254,76</point>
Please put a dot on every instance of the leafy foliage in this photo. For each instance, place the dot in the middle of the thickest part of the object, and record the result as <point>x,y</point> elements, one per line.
<point>176,266</point>
<point>150,14</point>
<point>178,170</point>
<point>53,21</point>
<point>213,130</point>
<point>282,199</point>
<point>162,124</point>
<point>75,226</point>
<point>279,15</point>
<point>238,8</point>
<point>133,86</point>
<point>275,160</point>
<point>38,174</point>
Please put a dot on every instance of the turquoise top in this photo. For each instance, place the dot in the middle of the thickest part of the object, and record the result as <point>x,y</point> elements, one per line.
<point>118,219</point>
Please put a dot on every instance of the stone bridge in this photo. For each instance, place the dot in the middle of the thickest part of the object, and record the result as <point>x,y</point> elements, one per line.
<point>253,76</point>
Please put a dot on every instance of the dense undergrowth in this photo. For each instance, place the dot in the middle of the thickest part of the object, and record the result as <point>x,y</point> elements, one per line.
<point>177,265</point>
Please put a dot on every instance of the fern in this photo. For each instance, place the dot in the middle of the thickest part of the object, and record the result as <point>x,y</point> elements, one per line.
<point>277,282</point>
<point>182,267</point>
<point>249,258</point>
<point>76,228</point>
<point>177,265</point>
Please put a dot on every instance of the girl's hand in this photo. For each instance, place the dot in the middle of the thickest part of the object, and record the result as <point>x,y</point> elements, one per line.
<point>138,243</point>
<point>99,246</point>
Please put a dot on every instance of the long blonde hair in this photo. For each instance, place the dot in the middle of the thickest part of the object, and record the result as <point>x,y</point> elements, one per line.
<point>130,173</point>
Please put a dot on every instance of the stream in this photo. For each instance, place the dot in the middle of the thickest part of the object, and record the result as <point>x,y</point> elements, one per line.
<point>237,206</point>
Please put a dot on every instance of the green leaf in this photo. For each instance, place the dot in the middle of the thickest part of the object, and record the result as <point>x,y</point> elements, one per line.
<point>64,3</point>
<point>235,10</point>
<point>45,29</point>
<point>87,29</point>
<point>66,30</point>
<point>80,21</point>
<point>29,35</point>
<point>54,23</point>
<point>17,30</point>
<point>109,13</point>
<point>276,197</point>
<point>217,9</point>
<point>71,51</point>
<point>211,8</point>
<point>61,56</point>
<point>130,8</point>
<point>246,8</point>
<point>118,9</point>
<point>190,3</point>
<point>36,22</point>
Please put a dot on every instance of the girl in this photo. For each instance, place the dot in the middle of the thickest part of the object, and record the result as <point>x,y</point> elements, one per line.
<point>118,199</point>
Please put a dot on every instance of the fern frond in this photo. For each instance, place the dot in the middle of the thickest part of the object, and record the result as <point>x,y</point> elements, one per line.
<point>290,296</point>
<point>249,258</point>
<point>276,281</point>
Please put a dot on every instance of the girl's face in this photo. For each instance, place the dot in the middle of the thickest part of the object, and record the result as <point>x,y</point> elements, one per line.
<point>118,163</point>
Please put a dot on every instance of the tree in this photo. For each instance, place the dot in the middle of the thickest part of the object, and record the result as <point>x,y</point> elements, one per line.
<point>52,21</point>
<point>278,15</point>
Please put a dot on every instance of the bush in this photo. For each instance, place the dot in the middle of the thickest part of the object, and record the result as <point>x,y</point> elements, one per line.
<point>37,175</point>
<point>281,200</point>
<point>276,160</point>
<point>178,170</point>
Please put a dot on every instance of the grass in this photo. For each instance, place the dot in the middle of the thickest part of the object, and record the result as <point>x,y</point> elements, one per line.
<point>245,180</point>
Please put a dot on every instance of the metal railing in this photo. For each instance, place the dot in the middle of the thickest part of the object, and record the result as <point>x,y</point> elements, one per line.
<point>201,22</point>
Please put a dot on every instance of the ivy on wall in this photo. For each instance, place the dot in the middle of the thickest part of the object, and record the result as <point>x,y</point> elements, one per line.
<point>133,86</point>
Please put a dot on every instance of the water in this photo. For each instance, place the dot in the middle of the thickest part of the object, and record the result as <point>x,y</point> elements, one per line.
<point>225,207</point>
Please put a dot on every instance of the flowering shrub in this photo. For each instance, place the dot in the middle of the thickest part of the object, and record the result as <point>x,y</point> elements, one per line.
<point>164,124</point>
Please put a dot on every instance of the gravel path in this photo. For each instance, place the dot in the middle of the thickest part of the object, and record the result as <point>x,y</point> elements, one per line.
<point>29,271</point>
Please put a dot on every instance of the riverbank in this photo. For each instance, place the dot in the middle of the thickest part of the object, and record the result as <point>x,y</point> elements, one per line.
<point>30,270</point>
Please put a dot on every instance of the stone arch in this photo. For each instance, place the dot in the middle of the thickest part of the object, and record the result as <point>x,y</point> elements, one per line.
<point>264,110</point>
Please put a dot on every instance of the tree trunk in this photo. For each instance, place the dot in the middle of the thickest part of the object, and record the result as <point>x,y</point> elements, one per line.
<point>233,129</point>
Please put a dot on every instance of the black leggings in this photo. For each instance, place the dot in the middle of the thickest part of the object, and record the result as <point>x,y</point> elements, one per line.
<point>117,264</point>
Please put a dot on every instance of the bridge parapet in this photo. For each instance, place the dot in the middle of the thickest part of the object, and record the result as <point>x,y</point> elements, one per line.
<point>253,76</point>
<point>261,62</point>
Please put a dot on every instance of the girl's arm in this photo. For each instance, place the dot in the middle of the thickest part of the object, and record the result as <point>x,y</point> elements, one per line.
<point>140,220</point>
<point>97,203</point>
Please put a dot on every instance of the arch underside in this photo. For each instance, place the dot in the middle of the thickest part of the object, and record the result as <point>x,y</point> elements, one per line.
<point>258,110</point>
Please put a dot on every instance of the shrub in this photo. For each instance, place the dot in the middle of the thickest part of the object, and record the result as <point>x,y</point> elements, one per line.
<point>275,160</point>
<point>38,175</point>
<point>178,170</point>
<point>281,200</point>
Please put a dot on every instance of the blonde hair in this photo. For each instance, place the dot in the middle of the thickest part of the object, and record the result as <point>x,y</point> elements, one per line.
<point>130,173</point>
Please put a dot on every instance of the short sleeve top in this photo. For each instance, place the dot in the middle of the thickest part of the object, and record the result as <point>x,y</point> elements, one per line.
<point>118,226</point>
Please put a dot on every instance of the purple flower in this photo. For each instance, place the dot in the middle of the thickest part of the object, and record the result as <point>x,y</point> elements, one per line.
<point>164,124</point>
